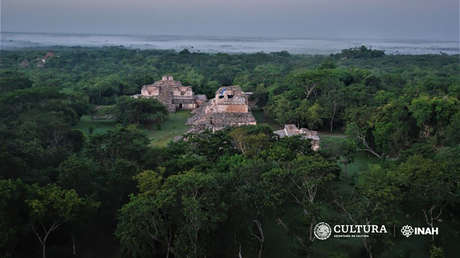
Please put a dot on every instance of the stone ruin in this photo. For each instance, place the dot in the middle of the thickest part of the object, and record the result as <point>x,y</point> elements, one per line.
<point>228,108</point>
<point>172,94</point>
<point>39,61</point>
<point>292,130</point>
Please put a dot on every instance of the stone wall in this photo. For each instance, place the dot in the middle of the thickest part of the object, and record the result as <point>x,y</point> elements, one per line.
<point>229,108</point>
<point>292,130</point>
<point>183,91</point>
<point>170,93</point>
<point>150,90</point>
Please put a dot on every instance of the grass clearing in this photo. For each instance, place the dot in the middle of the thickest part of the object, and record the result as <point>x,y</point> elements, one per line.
<point>86,124</point>
<point>335,144</point>
<point>174,126</point>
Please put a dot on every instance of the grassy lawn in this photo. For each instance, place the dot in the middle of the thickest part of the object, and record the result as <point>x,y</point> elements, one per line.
<point>98,126</point>
<point>327,134</point>
<point>334,144</point>
<point>174,126</point>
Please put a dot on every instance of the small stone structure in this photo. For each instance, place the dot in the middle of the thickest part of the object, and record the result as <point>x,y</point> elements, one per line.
<point>40,62</point>
<point>292,130</point>
<point>228,108</point>
<point>172,94</point>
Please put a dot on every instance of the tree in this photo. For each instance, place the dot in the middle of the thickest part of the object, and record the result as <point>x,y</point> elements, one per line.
<point>145,111</point>
<point>432,113</point>
<point>260,95</point>
<point>343,149</point>
<point>309,81</point>
<point>302,182</point>
<point>280,109</point>
<point>251,140</point>
<point>13,221</point>
<point>332,100</point>
<point>361,52</point>
<point>359,137</point>
<point>78,173</point>
<point>310,115</point>
<point>127,143</point>
<point>250,205</point>
<point>323,85</point>
<point>452,135</point>
<point>427,187</point>
<point>266,73</point>
<point>13,80</point>
<point>177,214</point>
<point>212,145</point>
<point>143,230</point>
<point>201,208</point>
<point>50,207</point>
<point>374,200</point>
<point>287,149</point>
<point>393,128</point>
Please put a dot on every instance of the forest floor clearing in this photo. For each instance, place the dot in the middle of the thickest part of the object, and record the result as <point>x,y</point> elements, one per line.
<point>174,126</point>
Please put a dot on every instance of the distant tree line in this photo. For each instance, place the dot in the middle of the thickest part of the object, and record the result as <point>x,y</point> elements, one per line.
<point>359,52</point>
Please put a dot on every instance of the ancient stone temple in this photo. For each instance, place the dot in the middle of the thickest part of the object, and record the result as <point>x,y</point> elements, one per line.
<point>172,94</point>
<point>292,130</point>
<point>228,108</point>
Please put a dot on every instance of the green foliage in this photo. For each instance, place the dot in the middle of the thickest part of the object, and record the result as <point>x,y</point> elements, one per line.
<point>77,173</point>
<point>174,126</point>
<point>427,183</point>
<point>436,252</point>
<point>142,227</point>
<point>149,181</point>
<point>452,135</point>
<point>122,142</point>
<point>13,221</point>
<point>13,80</point>
<point>190,202</point>
<point>250,141</point>
<point>432,114</point>
<point>313,116</point>
<point>212,145</point>
<point>200,199</point>
<point>240,191</point>
<point>360,52</point>
<point>287,148</point>
<point>145,111</point>
<point>53,204</point>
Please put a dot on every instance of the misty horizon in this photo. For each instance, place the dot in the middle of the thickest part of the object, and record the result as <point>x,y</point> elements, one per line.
<point>334,19</point>
<point>268,37</point>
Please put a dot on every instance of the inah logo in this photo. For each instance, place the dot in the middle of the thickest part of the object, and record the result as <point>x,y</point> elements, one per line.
<point>322,231</point>
<point>407,231</point>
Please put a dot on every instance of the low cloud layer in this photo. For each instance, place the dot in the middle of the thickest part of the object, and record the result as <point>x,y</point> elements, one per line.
<point>421,19</point>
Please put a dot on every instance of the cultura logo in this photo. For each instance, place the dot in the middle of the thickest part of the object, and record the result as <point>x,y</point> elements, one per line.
<point>407,231</point>
<point>322,231</point>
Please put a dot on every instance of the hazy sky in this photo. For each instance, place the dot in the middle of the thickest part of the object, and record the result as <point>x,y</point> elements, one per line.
<point>422,19</point>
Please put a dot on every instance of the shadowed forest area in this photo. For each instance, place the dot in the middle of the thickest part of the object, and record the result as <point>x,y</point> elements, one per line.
<point>87,171</point>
